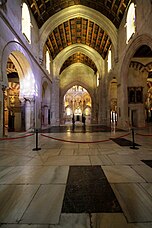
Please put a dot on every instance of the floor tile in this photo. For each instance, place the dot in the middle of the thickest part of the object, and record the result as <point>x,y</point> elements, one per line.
<point>14,199</point>
<point>115,220</point>
<point>73,221</point>
<point>124,159</point>
<point>147,187</point>
<point>100,160</point>
<point>68,160</point>
<point>52,152</point>
<point>4,170</point>
<point>67,152</point>
<point>45,207</point>
<point>24,226</point>
<point>31,182</point>
<point>136,203</point>
<point>144,171</point>
<point>121,173</point>
<point>36,175</point>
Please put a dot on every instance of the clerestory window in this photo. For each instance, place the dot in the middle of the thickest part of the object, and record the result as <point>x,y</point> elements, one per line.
<point>130,23</point>
<point>109,60</point>
<point>47,61</point>
<point>26,22</point>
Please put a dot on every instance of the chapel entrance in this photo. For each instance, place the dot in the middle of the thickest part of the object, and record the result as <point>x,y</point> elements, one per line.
<point>77,103</point>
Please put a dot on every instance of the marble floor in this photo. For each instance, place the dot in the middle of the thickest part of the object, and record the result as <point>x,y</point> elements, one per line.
<point>33,183</point>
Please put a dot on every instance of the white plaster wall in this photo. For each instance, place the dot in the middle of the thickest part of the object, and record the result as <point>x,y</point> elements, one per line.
<point>25,54</point>
<point>143,36</point>
<point>74,48</point>
<point>13,14</point>
<point>77,72</point>
<point>136,78</point>
<point>143,27</point>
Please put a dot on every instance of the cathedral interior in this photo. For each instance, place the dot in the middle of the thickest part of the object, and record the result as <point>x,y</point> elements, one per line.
<point>77,74</point>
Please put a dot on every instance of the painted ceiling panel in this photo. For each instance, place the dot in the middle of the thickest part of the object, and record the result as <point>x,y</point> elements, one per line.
<point>78,30</point>
<point>79,58</point>
<point>75,31</point>
<point>112,9</point>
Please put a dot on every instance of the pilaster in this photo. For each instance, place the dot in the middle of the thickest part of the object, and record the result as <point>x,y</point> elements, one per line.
<point>55,121</point>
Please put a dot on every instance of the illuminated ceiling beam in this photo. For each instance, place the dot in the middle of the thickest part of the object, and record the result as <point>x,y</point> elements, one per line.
<point>120,5</point>
<point>37,8</point>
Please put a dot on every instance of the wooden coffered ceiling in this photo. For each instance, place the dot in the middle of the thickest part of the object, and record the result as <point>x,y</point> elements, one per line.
<point>75,31</point>
<point>78,30</point>
<point>79,58</point>
<point>112,9</point>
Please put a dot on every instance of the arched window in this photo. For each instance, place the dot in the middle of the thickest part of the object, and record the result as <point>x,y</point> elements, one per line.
<point>97,78</point>
<point>109,60</point>
<point>26,22</point>
<point>47,61</point>
<point>130,21</point>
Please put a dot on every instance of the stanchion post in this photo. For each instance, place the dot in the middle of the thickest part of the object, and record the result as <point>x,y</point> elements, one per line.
<point>133,140</point>
<point>36,148</point>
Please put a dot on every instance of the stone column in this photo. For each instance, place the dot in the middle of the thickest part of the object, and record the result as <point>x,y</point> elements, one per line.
<point>28,109</point>
<point>32,101</point>
<point>94,113</point>
<point>122,107</point>
<point>103,118</point>
<point>55,121</point>
<point>45,115</point>
<point>22,114</point>
<point>62,111</point>
<point>27,115</point>
<point>2,112</point>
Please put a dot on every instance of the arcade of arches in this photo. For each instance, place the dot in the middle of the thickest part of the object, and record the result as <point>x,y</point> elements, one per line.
<point>77,102</point>
<point>85,59</point>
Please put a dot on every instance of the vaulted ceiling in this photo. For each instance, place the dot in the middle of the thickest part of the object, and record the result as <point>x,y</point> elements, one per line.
<point>112,9</point>
<point>78,30</point>
<point>79,58</point>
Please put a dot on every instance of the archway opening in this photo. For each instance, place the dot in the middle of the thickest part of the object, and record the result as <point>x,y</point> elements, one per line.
<point>148,100</point>
<point>77,104</point>
<point>19,95</point>
<point>140,87</point>
<point>12,103</point>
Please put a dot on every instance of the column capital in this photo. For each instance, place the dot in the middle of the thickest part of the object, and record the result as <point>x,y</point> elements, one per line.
<point>25,99</point>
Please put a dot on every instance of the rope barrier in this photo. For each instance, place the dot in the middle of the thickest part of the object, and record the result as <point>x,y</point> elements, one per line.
<point>143,134</point>
<point>121,136</point>
<point>71,141</point>
<point>146,126</point>
<point>13,138</point>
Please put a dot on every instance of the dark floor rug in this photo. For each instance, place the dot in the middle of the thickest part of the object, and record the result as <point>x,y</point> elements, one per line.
<point>124,142</point>
<point>88,191</point>
<point>148,162</point>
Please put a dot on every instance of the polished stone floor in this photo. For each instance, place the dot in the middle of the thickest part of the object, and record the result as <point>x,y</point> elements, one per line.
<point>33,183</point>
